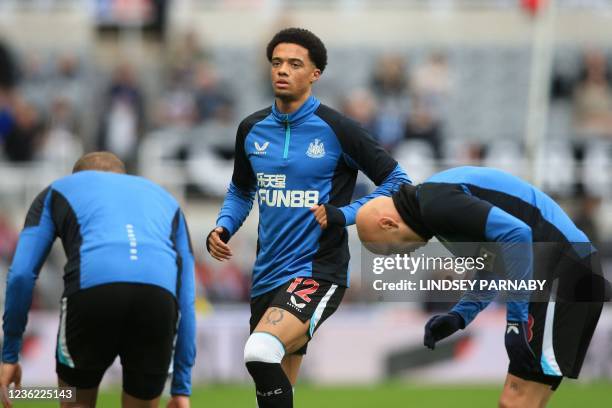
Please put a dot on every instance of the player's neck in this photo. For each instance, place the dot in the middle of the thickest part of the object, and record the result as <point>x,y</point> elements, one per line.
<point>291,105</point>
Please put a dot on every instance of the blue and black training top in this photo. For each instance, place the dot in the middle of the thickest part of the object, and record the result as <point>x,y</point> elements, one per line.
<point>477,204</point>
<point>114,228</point>
<point>289,163</point>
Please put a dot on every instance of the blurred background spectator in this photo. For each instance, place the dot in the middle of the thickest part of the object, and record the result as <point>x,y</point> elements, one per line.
<point>212,98</point>
<point>360,105</point>
<point>24,137</point>
<point>185,55</point>
<point>8,69</point>
<point>433,84</point>
<point>390,83</point>
<point>123,120</point>
<point>593,97</point>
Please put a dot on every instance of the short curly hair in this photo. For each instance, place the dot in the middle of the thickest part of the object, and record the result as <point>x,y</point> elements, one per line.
<point>302,37</point>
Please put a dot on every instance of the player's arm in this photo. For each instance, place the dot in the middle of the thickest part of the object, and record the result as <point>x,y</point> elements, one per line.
<point>362,152</point>
<point>34,243</point>
<point>185,349</point>
<point>513,238</point>
<point>450,208</point>
<point>515,242</point>
<point>389,185</point>
<point>238,201</point>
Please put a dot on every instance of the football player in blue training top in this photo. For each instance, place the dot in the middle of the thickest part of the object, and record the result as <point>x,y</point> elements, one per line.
<point>128,284</point>
<point>299,160</point>
<point>548,332</point>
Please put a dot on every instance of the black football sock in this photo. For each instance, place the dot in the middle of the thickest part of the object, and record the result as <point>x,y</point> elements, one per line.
<point>271,385</point>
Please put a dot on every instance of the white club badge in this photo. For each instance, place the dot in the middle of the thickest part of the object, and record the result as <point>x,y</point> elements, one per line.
<point>316,150</point>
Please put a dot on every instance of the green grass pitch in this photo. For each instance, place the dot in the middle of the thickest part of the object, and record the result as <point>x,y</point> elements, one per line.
<point>570,395</point>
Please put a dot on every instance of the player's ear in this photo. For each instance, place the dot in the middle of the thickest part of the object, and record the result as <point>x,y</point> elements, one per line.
<point>387,223</point>
<point>316,74</point>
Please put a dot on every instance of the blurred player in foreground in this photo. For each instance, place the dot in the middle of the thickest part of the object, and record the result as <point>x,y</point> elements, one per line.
<point>128,281</point>
<point>299,159</point>
<point>472,204</point>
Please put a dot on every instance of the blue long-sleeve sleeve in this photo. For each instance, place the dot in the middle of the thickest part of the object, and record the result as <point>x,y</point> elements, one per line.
<point>473,302</point>
<point>362,152</point>
<point>389,185</point>
<point>514,238</point>
<point>235,209</point>
<point>241,191</point>
<point>33,247</point>
<point>185,348</point>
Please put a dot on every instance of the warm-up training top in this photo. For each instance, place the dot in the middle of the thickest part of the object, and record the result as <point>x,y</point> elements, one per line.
<point>289,163</point>
<point>114,228</point>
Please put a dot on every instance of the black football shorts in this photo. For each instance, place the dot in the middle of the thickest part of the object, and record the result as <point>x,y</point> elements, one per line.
<point>305,298</point>
<point>136,322</point>
<point>561,329</point>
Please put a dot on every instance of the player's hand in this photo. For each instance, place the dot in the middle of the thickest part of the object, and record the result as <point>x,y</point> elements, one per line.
<point>9,374</point>
<point>440,327</point>
<point>320,215</point>
<point>216,244</point>
<point>178,401</point>
<point>517,346</point>
<point>328,214</point>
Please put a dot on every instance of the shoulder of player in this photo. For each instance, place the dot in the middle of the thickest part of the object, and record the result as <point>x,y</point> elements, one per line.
<point>348,132</point>
<point>433,191</point>
<point>336,120</point>
<point>87,177</point>
<point>72,186</point>
<point>68,183</point>
<point>247,123</point>
<point>158,193</point>
<point>36,208</point>
<point>155,187</point>
<point>435,198</point>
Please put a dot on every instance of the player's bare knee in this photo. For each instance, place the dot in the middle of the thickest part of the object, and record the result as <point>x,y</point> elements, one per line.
<point>511,397</point>
<point>509,401</point>
<point>295,345</point>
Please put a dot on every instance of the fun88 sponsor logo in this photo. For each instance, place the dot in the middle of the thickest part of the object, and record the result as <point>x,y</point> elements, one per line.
<point>288,198</point>
<point>272,193</point>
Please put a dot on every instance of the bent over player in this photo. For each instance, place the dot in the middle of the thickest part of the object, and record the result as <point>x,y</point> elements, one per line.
<point>545,340</point>
<point>298,159</point>
<point>128,282</point>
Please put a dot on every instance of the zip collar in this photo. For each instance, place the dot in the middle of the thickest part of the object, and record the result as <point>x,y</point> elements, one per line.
<point>307,109</point>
